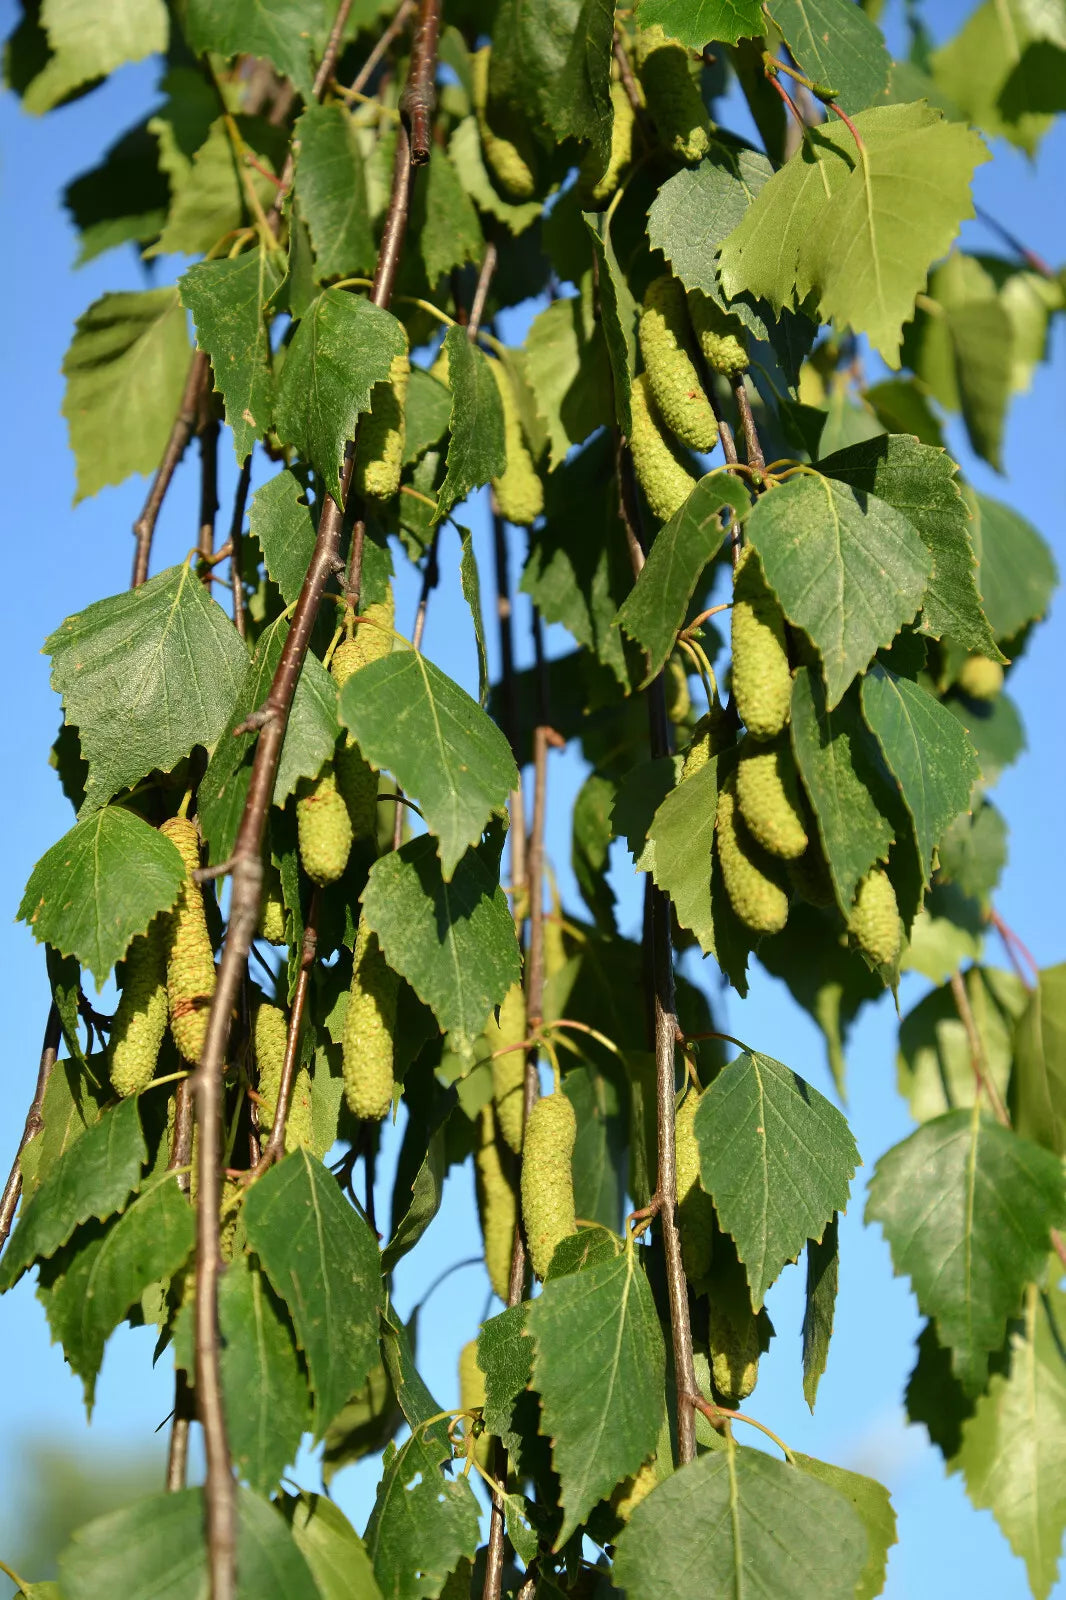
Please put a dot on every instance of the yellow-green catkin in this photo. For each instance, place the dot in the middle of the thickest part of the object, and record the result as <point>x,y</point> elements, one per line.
<point>980,678</point>
<point>709,736</point>
<point>140,1022</point>
<point>720,335</point>
<point>379,457</point>
<point>509,1071</point>
<point>674,98</point>
<point>357,782</point>
<point>695,1208</point>
<point>369,1026</point>
<point>631,1491</point>
<point>678,693</point>
<point>768,796</point>
<point>372,639</point>
<point>270,1035</point>
<point>874,921</point>
<point>231,1233</point>
<point>497,1204</point>
<point>519,492</point>
<point>190,959</point>
<point>299,1125</point>
<point>667,484</point>
<point>508,152</point>
<point>675,384</point>
<point>547,1178</point>
<point>762,678</point>
<point>272,906</point>
<point>472,1395</point>
<point>597,190</point>
<point>733,1340</point>
<point>324,829</point>
<point>753,877</point>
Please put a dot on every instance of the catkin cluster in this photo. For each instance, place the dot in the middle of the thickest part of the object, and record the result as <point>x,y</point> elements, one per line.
<point>720,335</point>
<point>980,678</point>
<point>270,1034</point>
<point>272,907</point>
<point>190,959</point>
<point>505,140</point>
<point>874,919</point>
<point>665,346</point>
<point>762,677</point>
<point>673,95</point>
<point>509,1071</point>
<point>547,1178</point>
<point>666,481</point>
<point>369,1026</point>
<point>595,188</point>
<point>140,1022</point>
<point>755,880</point>
<point>497,1203</point>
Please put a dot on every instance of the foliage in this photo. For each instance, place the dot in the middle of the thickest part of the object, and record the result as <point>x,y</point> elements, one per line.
<point>556,174</point>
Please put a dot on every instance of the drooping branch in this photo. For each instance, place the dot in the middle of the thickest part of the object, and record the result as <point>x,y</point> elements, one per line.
<point>180,434</point>
<point>13,1187</point>
<point>274,1148</point>
<point>419,96</point>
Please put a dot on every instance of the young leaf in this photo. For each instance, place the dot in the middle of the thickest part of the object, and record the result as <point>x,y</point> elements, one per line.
<point>263,1384</point>
<point>438,743</point>
<point>838,46</point>
<point>778,1160</point>
<point>145,676</point>
<point>330,188</point>
<point>453,941</point>
<point>871,1503</point>
<point>323,1262</point>
<point>227,299</point>
<point>331,1547</point>
<point>342,347</point>
<point>423,1523</point>
<point>87,44</point>
<point>100,886</point>
<point>700,22</point>
<point>1039,1082</point>
<point>476,450</point>
<point>712,1517</point>
<point>289,33</point>
<point>283,523</point>
<point>125,370</point>
<point>848,569</point>
<point>210,199</point>
<point>92,1178</point>
<point>966,1206</point>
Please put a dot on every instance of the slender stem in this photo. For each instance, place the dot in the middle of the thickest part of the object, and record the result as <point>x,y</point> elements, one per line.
<point>13,1187</point>
<point>977,1054</point>
<point>1015,948</point>
<point>236,536</point>
<point>178,1451</point>
<point>430,580</point>
<point>209,431</point>
<point>394,29</point>
<point>752,447</point>
<point>180,434</point>
<point>419,96</point>
<point>181,1141</point>
<point>481,293</point>
<point>274,1148</point>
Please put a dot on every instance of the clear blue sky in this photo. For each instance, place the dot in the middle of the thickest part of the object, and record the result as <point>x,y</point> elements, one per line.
<point>62,559</point>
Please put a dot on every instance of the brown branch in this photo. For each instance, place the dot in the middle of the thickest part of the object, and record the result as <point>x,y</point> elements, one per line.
<point>209,431</point>
<point>180,434</point>
<point>481,293</point>
<point>322,77</point>
<point>13,1187</point>
<point>178,1450</point>
<point>752,447</point>
<point>274,1148</point>
<point>419,96</point>
<point>236,542</point>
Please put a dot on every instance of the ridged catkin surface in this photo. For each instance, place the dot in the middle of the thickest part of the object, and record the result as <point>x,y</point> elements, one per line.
<point>596,191</point>
<point>368,643</point>
<point>269,1034</point>
<point>324,829</point>
<point>733,1340</point>
<point>547,1178</point>
<point>299,1126</point>
<point>497,1204</point>
<point>631,1491</point>
<point>509,1071</point>
<point>190,959</point>
<point>709,736</point>
<point>754,880</point>
<point>762,679</point>
<point>379,457</point>
<point>874,921</point>
<point>519,492</point>
<point>272,906</point>
<point>695,1208</point>
<point>673,96</point>
<point>369,1026</point>
<point>675,383</point>
<point>141,1018</point>
<point>666,483</point>
<point>768,796</point>
<point>357,782</point>
<point>509,162</point>
<point>980,678</point>
<point>720,335</point>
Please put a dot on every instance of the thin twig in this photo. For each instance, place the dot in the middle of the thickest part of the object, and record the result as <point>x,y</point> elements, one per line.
<point>180,434</point>
<point>977,1054</point>
<point>236,537</point>
<point>394,29</point>
<point>209,432</point>
<point>481,293</point>
<point>419,95</point>
<point>13,1187</point>
<point>178,1450</point>
<point>322,77</point>
<point>1032,260</point>
<point>1015,949</point>
<point>274,1148</point>
<point>752,447</point>
<point>430,580</point>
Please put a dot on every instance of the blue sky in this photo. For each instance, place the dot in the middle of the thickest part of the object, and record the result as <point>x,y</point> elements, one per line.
<point>61,559</point>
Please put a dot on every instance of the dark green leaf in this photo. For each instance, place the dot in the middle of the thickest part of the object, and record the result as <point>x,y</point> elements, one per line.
<point>323,1262</point>
<point>429,406</point>
<point>697,209</point>
<point>330,188</point>
<point>263,1384</point>
<point>618,315</point>
<point>558,56</point>
<point>426,1194</point>
<point>64,976</point>
<point>1016,570</point>
<point>282,522</point>
<point>122,199</point>
<point>423,1522</point>
<point>700,22</point>
<point>72,1104</point>
<point>570,374</point>
<point>471,585</point>
<point>823,1268</point>
<point>837,45</point>
<point>995,730</point>
<point>599,1160</point>
<point>590,842</point>
<point>288,32</point>
<point>870,1501</point>
<point>973,852</point>
<point>476,450</point>
<point>1038,1087</point>
<point>449,233</point>
<point>505,1355</point>
<point>227,301</point>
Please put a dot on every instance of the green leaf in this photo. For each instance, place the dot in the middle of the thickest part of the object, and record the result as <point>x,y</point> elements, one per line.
<point>590,842</point>
<point>282,521</point>
<point>870,1501</point>
<point>700,22</point>
<point>464,150</point>
<point>712,1517</point>
<point>323,1262</point>
<point>1016,570</point>
<point>342,347</point>
<point>778,1160</point>
<point>330,188</point>
<point>920,482</point>
<point>697,209</point>
<point>145,676</point>
<point>934,1067</point>
<point>73,1101</point>
<point>838,763</point>
<point>966,1206</point>
<point>429,406</point>
<point>505,1355</point>
<point>927,753</point>
<point>92,1178</point>
<point>847,567</point>
<point>471,586</point>
<point>100,886</point>
<point>973,852</point>
<point>422,1411</point>
<point>823,1269</point>
<point>449,233</point>
<point>1038,1087</point>
<point>599,1160</point>
<point>453,941</point>
<point>963,348</point>
<point>124,198</point>
<point>1013,1453</point>
<point>946,932</point>
<point>125,369</point>
<point>423,1522</point>
<point>570,373</point>
<point>476,450</point>
<point>618,315</point>
<point>557,55</point>
<point>107,1267</point>
<point>331,1547</point>
<point>658,603</point>
<point>858,229</point>
<point>156,1546</point>
<point>437,742</point>
<point>600,1368</point>
<point>210,199</point>
<point>86,44</point>
<point>227,301</point>
<point>426,1191</point>
<point>838,46</point>
<point>992,68</point>
<point>263,1384</point>
<point>901,406</point>
<point>288,33</point>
